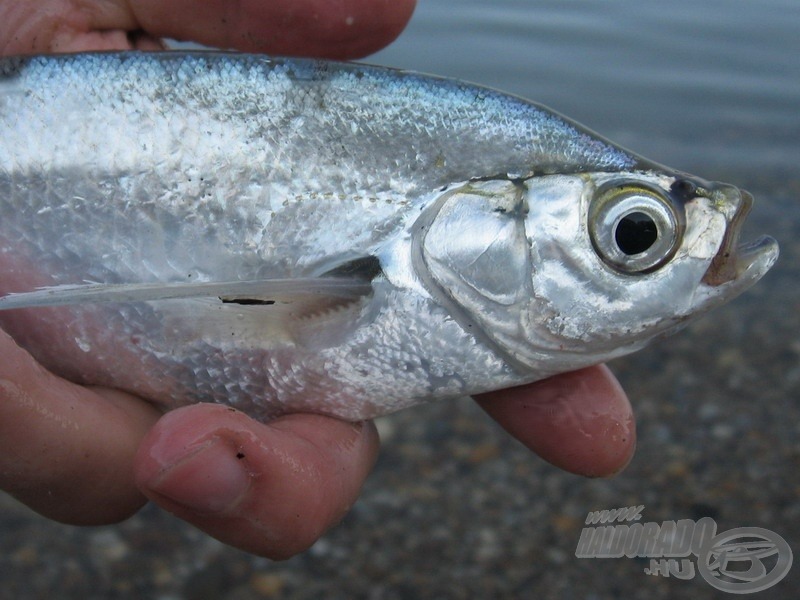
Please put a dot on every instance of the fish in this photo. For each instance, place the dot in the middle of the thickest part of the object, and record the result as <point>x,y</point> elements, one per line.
<point>293,235</point>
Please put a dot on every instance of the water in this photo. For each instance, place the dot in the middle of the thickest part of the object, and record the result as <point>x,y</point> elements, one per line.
<point>712,84</point>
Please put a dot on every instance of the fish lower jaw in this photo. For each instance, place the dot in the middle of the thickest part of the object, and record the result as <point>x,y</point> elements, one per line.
<point>742,268</point>
<point>754,259</point>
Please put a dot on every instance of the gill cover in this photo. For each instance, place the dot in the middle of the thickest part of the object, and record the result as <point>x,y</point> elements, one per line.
<point>472,253</point>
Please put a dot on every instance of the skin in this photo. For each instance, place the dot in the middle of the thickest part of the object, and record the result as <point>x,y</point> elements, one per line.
<point>92,456</point>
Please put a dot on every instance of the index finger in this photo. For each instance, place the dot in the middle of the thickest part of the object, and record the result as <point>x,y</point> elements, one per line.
<point>580,421</point>
<point>343,29</point>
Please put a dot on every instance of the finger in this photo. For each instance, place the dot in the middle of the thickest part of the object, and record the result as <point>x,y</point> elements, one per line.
<point>580,421</point>
<point>343,29</point>
<point>270,489</point>
<point>67,451</point>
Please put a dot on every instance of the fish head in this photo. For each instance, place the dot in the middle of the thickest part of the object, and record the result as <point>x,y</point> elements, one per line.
<point>619,258</point>
<point>556,272</point>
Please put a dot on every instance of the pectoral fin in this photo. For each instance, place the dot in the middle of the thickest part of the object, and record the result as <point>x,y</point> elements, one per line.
<point>240,292</point>
<point>309,311</point>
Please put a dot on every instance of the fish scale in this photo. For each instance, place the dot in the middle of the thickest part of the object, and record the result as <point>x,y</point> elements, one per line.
<point>294,235</point>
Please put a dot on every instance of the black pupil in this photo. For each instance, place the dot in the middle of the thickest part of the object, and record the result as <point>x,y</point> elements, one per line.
<point>635,233</point>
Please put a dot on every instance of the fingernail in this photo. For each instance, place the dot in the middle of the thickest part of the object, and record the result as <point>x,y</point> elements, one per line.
<point>211,479</point>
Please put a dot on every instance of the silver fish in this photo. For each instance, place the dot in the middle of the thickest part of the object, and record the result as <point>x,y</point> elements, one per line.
<point>294,235</point>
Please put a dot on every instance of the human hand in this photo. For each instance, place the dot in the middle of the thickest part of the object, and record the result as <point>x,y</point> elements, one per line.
<point>93,455</point>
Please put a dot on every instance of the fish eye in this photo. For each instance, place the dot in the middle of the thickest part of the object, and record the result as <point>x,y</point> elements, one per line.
<point>634,229</point>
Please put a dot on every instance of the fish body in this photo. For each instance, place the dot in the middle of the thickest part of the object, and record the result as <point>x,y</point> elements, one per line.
<point>290,235</point>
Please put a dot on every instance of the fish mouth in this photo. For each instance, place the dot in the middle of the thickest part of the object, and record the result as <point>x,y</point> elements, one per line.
<point>739,264</point>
